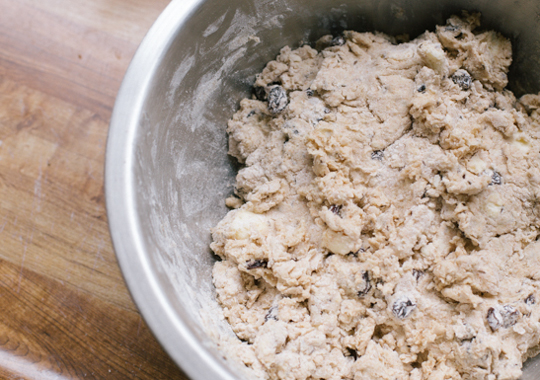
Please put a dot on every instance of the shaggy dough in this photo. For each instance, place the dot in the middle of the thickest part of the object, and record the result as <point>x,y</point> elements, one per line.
<point>386,219</point>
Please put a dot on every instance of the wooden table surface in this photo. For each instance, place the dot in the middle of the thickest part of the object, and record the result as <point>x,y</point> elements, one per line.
<point>65,310</point>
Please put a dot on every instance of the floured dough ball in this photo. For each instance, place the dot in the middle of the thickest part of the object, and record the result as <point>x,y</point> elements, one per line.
<point>387,216</point>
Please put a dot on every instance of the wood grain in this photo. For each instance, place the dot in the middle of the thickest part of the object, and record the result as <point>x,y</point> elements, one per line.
<point>66,313</point>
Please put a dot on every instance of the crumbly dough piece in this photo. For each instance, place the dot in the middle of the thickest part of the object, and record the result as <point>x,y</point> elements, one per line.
<point>387,214</point>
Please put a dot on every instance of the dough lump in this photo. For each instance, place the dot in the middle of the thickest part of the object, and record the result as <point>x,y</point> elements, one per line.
<point>387,216</point>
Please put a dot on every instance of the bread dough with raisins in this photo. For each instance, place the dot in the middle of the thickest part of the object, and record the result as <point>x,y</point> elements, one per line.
<point>387,215</point>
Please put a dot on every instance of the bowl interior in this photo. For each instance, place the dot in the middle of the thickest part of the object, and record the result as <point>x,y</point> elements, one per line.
<point>179,170</point>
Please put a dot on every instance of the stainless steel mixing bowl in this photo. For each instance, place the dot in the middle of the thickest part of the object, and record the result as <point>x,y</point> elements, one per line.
<point>167,170</point>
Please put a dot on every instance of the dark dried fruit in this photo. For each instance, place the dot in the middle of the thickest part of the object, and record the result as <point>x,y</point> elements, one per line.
<point>253,264</point>
<point>456,30</point>
<point>417,274</point>
<point>352,353</point>
<point>277,99</point>
<point>336,209</point>
<point>337,41</point>
<point>259,92</point>
<point>355,254</point>
<point>403,307</point>
<point>421,88</point>
<point>502,316</point>
<point>377,155</point>
<point>451,28</point>
<point>530,300</point>
<point>272,314</point>
<point>462,79</point>
<point>496,179</point>
<point>367,285</point>
<point>310,92</point>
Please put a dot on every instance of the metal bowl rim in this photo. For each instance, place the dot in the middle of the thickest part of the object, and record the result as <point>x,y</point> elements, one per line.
<point>171,331</point>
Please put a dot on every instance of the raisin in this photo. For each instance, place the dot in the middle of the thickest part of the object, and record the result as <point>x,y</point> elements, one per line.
<point>421,88</point>
<point>417,274</point>
<point>310,92</point>
<point>272,314</point>
<point>352,353</point>
<point>502,316</point>
<point>530,300</point>
<point>259,92</point>
<point>377,155</point>
<point>337,41</point>
<point>336,209</point>
<point>253,264</point>
<point>367,285</point>
<point>496,179</point>
<point>462,79</point>
<point>403,307</point>
<point>277,99</point>
<point>355,254</point>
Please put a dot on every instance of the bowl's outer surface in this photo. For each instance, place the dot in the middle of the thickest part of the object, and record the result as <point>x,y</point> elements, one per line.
<point>167,170</point>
